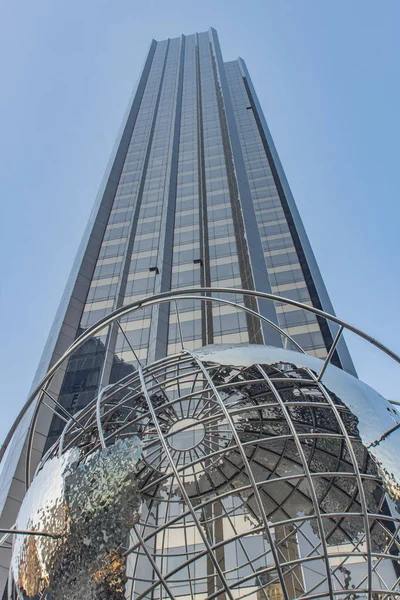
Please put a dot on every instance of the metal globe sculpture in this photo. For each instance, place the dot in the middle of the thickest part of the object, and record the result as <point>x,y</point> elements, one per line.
<point>240,471</point>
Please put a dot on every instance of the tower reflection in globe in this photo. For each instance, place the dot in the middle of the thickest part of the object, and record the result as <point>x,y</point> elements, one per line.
<point>236,474</point>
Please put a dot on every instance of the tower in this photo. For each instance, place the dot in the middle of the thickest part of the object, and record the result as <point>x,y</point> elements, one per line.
<point>194,197</point>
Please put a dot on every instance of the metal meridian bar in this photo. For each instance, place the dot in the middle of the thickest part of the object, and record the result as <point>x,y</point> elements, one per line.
<point>361,491</point>
<point>182,487</point>
<point>300,450</point>
<point>153,564</point>
<point>330,353</point>
<point>127,341</point>
<point>98,413</point>
<point>53,410</point>
<point>179,323</point>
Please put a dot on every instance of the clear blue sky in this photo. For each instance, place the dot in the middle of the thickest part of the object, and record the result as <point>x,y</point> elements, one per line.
<point>327,74</point>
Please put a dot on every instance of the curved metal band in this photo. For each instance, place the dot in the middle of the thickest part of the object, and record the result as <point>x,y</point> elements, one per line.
<point>124,310</point>
<point>183,294</point>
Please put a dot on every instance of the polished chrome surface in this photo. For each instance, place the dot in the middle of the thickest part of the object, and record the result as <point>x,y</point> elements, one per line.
<point>233,471</point>
<point>378,422</point>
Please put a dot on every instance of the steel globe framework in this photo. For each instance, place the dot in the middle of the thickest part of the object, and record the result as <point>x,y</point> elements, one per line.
<point>233,471</point>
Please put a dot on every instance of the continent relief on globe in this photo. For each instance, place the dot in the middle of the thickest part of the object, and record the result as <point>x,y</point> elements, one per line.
<point>88,504</point>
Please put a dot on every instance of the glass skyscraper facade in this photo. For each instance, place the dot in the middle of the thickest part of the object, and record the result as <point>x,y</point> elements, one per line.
<point>194,196</point>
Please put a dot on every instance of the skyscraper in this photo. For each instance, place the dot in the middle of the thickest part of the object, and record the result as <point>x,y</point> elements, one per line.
<point>194,196</point>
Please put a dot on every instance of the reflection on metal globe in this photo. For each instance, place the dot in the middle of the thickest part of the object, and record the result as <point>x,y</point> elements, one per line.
<point>186,434</point>
<point>229,472</point>
<point>86,505</point>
